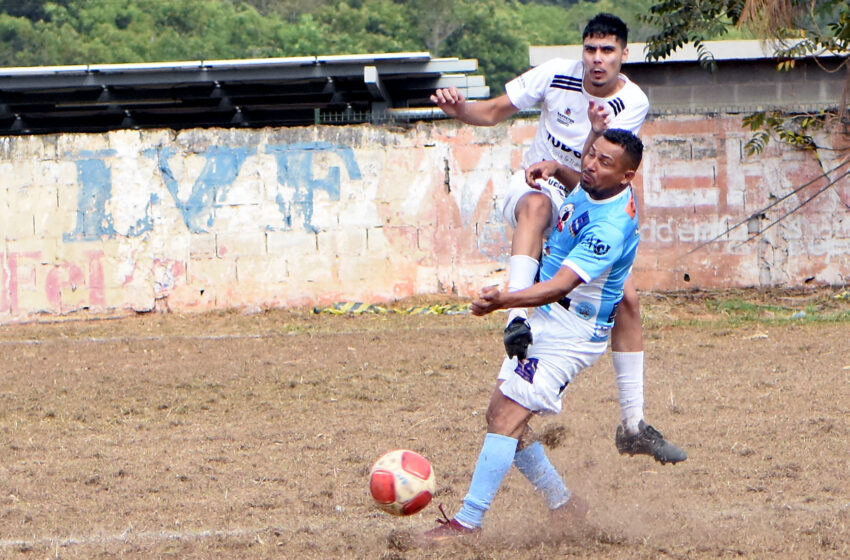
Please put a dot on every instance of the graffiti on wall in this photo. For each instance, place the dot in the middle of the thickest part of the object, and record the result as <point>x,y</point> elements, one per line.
<point>66,285</point>
<point>296,173</point>
<point>59,285</point>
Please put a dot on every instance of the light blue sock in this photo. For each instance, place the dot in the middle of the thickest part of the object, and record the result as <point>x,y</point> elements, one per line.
<point>533,463</point>
<point>494,462</point>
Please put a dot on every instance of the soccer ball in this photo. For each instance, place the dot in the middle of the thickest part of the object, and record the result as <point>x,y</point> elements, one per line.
<point>402,482</point>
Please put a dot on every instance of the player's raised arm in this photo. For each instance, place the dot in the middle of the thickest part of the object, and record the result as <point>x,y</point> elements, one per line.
<point>600,118</point>
<point>482,113</point>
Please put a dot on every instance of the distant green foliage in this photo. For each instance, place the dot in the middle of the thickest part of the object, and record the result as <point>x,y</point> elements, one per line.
<point>103,31</point>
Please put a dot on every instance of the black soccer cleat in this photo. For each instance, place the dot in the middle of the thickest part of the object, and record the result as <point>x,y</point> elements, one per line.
<point>517,338</point>
<point>648,441</point>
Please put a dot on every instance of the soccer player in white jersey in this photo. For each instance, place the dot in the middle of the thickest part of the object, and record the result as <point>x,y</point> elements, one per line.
<point>585,261</point>
<point>579,99</point>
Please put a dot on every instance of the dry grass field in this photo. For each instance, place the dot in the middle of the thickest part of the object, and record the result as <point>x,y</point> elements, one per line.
<point>251,436</point>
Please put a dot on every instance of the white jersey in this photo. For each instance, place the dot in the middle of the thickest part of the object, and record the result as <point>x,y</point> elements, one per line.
<point>564,125</point>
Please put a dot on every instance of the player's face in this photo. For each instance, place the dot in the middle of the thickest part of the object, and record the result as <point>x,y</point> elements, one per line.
<point>604,169</point>
<point>603,56</point>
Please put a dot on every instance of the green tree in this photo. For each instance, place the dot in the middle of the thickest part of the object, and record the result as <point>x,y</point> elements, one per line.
<point>104,31</point>
<point>490,34</point>
<point>370,26</point>
<point>32,10</point>
<point>288,10</point>
<point>496,32</point>
<point>437,21</point>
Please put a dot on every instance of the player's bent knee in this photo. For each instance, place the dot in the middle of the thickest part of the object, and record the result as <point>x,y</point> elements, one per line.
<point>507,418</point>
<point>534,208</point>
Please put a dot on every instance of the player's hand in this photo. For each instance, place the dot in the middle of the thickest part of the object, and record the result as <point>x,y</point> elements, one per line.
<point>450,100</point>
<point>600,117</point>
<point>487,302</point>
<point>540,170</point>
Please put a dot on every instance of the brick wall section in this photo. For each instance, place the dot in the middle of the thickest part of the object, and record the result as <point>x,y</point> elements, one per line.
<point>213,219</point>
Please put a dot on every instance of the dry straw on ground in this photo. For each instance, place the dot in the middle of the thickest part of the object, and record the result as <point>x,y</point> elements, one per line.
<point>251,436</point>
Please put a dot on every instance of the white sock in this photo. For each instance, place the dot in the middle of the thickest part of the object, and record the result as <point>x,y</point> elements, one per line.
<point>629,368</point>
<point>523,271</point>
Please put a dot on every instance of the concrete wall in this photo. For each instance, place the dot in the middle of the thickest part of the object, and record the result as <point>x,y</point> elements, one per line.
<point>212,219</point>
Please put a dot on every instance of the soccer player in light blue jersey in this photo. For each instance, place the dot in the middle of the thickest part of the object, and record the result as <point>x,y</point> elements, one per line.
<point>586,259</point>
<point>578,100</point>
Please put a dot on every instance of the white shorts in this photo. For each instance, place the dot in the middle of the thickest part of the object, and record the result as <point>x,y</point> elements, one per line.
<point>517,188</point>
<point>554,359</point>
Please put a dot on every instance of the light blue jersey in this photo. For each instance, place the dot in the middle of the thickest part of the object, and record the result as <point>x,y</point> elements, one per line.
<point>598,240</point>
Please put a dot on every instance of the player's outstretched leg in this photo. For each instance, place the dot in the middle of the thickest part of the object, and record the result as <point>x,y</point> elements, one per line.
<point>494,461</point>
<point>627,357</point>
<point>634,435</point>
<point>648,441</point>
<point>532,215</point>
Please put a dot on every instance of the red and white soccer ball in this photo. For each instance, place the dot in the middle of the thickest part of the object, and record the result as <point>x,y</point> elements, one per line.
<point>402,482</point>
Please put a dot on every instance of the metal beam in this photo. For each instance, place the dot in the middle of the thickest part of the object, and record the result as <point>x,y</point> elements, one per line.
<point>374,84</point>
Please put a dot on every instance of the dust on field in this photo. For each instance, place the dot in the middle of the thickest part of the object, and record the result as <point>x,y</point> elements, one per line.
<point>235,435</point>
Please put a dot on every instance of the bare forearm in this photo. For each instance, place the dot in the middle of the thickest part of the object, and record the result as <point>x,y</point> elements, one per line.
<point>483,113</point>
<point>539,294</point>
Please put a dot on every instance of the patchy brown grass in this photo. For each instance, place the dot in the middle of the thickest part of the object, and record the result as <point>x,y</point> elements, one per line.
<point>251,436</point>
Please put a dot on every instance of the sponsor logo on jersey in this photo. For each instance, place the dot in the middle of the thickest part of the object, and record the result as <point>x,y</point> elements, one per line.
<point>526,369</point>
<point>558,145</point>
<point>558,187</point>
<point>565,117</point>
<point>585,310</point>
<point>566,212</point>
<point>596,245</point>
<point>579,223</point>
<point>600,333</point>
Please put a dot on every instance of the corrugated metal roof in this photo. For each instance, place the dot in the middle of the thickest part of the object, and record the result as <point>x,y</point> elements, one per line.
<point>228,93</point>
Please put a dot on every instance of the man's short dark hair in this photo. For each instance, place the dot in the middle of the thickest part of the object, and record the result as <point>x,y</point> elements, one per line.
<point>606,24</point>
<point>630,143</point>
